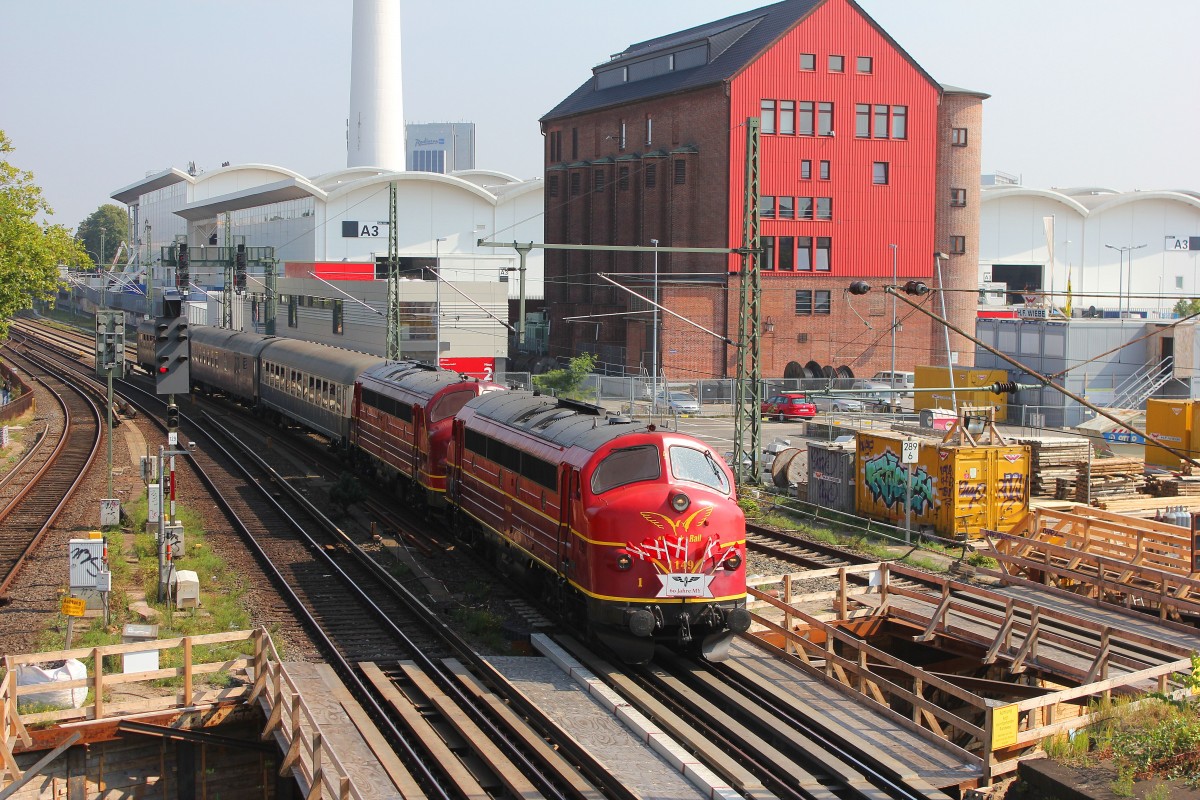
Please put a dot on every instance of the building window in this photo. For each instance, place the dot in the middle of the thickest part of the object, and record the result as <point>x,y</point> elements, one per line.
<point>958,197</point>
<point>787,117</point>
<point>337,317</point>
<point>293,312</point>
<point>824,253</point>
<point>879,122</point>
<point>623,178</point>
<point>899,122</point>
<point>862,121</point>
<point>621,144</point>
<point>825,208</point>
<point>824,170</point>
<point>808,61</point>
<point>555,146</point>
<point>866,65</point>
<point>787,253</point>
<point>787,208</point>
<point>879,173</point>
<point>649,131</point>
<point>804,208</point>
<point>958,137</point>
<point>822,301</point>
<point>958,244</point>
<point>837,63</point>
<point>651,175</point>
<point>575,183</point>
<point>768,116</point>
<point>768,255</point>
<point>804,253</point>
<point>598,176</point>
<point>805,170</point>
<point>574,144</point>
<point>553,186</point>
<point>804,302</point>
<point>680,172</point>
<point>825,119</point>
<point>806,118</point>
<point>766,206</point>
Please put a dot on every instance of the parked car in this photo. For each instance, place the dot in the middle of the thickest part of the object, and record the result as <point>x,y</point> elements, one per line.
<point>875,396</point>
<point>789,405</point>
<point>679,402</point>
<point>826,402</point>
<point>897,380</point>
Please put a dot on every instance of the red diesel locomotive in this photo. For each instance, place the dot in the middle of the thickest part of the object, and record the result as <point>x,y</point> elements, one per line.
<point>403,413</point>
<point>631,530</point>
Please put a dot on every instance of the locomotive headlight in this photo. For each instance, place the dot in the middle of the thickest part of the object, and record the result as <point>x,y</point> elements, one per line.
<point>624,561</point>
<point>680,502</point>
<point>733,562</point>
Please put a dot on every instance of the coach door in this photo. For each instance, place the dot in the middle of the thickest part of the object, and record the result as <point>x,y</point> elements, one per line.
<point>569,509</point>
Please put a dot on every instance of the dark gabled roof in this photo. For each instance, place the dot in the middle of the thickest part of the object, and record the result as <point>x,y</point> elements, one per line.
<point>733,43</point>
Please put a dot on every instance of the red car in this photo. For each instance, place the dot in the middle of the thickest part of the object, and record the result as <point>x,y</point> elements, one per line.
<point>789,405</point>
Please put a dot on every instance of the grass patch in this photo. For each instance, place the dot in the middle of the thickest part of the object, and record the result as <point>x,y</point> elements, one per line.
<point>482,625</point>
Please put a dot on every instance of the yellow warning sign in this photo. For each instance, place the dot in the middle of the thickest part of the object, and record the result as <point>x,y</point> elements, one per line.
<point>1004,726</point>
<point>74,606</point>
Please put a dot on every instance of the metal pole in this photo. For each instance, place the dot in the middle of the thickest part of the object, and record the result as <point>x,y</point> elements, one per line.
<point>437,269</point>
<point>162,532</point>
<point>937,257</point>
<point>908,505</point>
<point>895,278</point>
<point>110,405</point>
<point>522,252</point>
<point>654,332</point>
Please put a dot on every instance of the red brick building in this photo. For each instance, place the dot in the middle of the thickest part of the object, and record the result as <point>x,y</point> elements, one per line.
<point>866,164</point>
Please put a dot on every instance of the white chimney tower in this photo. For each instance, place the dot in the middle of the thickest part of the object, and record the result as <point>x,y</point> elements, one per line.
<point>375,129</point>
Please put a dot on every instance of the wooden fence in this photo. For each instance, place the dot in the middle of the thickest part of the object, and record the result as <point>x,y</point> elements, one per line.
<point>989,733</point>
<point>257,677</point>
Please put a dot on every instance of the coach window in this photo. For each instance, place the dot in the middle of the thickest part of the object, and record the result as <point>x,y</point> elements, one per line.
<point>627,465</point>
<point>699,466</point>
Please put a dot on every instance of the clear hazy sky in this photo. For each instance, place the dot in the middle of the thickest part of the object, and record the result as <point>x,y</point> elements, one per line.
<point>96,95</point>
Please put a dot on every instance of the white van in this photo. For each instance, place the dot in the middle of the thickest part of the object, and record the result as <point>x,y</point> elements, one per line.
<point>897,380</point>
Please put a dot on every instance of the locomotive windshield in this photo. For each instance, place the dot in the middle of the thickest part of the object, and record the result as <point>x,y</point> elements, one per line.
<point>688,464</point>
<point>449,405</point>
<point>627,465</point>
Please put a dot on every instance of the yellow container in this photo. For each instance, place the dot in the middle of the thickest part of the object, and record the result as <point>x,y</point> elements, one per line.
<point>967,383</point>
<point>959,490</point>
<point>1173,423</point>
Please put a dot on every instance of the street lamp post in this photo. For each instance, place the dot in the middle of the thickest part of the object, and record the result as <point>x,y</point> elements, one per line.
<point>654,332</point>
<point>437,273</point>
<point>895,279</point>
<point>1121,287</point>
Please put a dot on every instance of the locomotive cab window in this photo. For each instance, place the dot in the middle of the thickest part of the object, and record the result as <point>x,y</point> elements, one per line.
<point>628,465</point>
<point>688,464</point>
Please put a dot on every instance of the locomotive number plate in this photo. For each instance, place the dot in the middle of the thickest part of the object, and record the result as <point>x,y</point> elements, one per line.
<point>683,584</point>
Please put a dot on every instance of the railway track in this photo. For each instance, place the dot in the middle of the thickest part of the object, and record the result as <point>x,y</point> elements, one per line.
<point>44,482</point>
<point>361,615</point>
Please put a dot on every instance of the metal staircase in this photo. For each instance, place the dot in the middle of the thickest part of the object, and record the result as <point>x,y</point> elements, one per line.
<point>1133,391</point>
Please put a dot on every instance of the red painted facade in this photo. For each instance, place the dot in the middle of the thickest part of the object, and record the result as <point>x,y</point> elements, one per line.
<point>866,218</point>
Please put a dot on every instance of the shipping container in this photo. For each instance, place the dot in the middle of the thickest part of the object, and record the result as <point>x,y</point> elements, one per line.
<point>1172,422</point>
<point>959,490</point>
<point>967,383</point>
<point>831,471</point>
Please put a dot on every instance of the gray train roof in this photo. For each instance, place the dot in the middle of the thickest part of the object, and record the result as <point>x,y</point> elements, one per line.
<point>234,341</point>
<point>542,416</point>
<point>333,363</point>
<point>413,377</point>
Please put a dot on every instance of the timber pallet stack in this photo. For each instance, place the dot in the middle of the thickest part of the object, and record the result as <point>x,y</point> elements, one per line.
<point>1173,486</point>
<point>1053,458</point>
<point>1107,480</point>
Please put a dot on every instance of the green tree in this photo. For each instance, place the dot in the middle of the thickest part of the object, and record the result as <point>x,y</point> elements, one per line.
<point>1185,307</point>
<point>110,220</point>
<point>566,382</point>
<point>31,251</point>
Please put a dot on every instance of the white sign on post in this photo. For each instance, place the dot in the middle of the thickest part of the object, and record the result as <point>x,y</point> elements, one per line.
<point>110,513</point>
<point>909,452</point>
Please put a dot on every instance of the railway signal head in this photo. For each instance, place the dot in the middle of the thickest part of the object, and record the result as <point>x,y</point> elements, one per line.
<point>239,270</point>
<point>172,418</point>
<point>171,350</point>
<point>183,276</point>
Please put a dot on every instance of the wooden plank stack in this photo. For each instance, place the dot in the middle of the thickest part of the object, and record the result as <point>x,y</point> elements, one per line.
<point>1173,486</point>
<point>1052,458</point>
<point>1110,479</point>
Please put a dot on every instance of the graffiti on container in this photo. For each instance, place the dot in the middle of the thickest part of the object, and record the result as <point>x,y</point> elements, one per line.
<point>1011,491</point>
<point>971,493</point>
<point>886,477</point>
